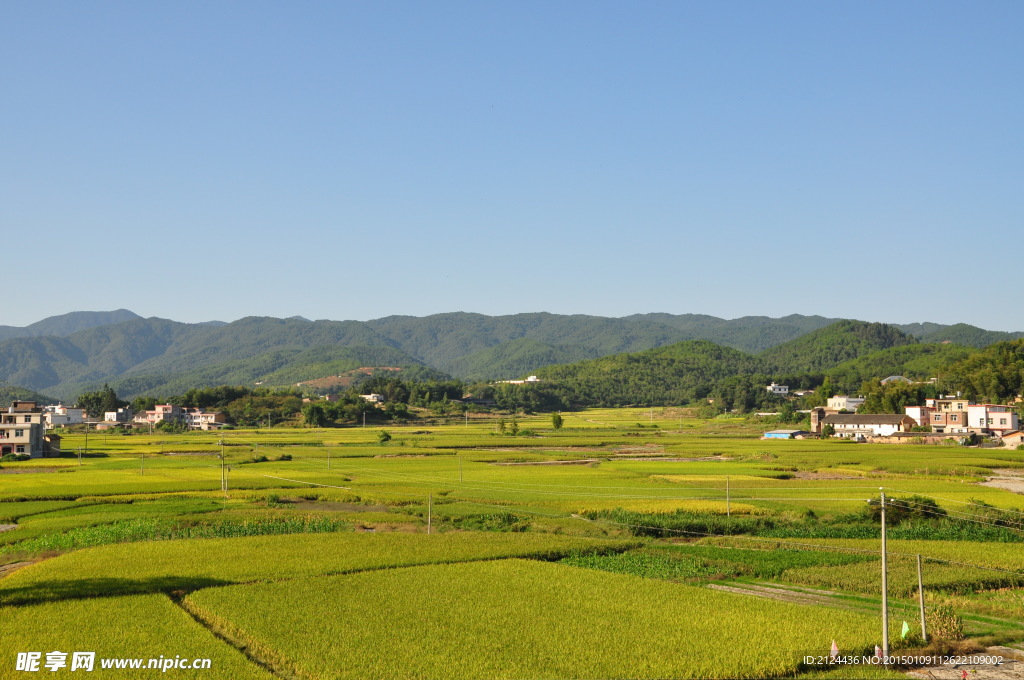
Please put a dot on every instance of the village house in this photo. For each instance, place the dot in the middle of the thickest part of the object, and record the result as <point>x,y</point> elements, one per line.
<point>841,402</point>
<point>121,415</point>
<point>60,416</point>
<point>778,390</point>
<point>855,425</point>
<point>956,415</point>
<point>991,419</point>
<point>193,418</point>
<point>22,431</point>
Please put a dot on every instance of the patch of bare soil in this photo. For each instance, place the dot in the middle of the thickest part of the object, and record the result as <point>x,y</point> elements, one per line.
<point>823,475</point>
<point>7,527</point>
<point>8,568</point>
<point>1011,668</point>
<point>1006,478</point>
<point>395,528</point>
<point>801,596</point>
<point>25,471</point>
<point>664,459</point>
<point>585,461</point>
<point>302,504</point>
<point>639,450</point>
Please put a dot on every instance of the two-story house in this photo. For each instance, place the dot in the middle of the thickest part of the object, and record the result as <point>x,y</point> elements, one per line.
<point>22,430</point>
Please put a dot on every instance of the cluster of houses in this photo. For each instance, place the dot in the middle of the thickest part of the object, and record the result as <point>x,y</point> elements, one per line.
<point>944,417</point>
<point>24,425</point>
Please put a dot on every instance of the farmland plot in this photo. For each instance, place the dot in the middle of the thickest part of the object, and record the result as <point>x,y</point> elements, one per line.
<point>521,619</point>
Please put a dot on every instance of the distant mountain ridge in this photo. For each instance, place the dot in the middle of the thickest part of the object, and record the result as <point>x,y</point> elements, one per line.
<point>65,355</point>
<point>66,324</point>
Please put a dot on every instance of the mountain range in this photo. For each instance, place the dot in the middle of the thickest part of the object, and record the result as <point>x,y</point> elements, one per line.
<point>65,355</point>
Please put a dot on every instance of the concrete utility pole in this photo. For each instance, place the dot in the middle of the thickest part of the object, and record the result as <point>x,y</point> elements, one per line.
<point>728,506</point>
<point>920,597</point>
<point>885,585</point>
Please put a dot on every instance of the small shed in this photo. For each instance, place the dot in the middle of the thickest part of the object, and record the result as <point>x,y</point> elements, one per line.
<point>784,434</point>
<point>1013,439</point>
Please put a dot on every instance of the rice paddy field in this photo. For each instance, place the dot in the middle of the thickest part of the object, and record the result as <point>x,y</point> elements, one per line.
<point>630,543</point>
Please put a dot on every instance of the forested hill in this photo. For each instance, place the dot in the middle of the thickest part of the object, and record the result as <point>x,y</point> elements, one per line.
<point>62,356</point>
<point>676,374</point>
<point>918,362</point>
<point>830,346</point>
<point>960,334</point>
<point>696,369</point>
<point>144,354</point>
<point>66,324</point>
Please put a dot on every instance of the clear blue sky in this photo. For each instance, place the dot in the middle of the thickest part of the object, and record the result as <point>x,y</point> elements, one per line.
<point>352,160</point>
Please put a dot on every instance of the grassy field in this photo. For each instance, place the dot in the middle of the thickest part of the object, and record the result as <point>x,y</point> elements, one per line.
<point>640,502</point>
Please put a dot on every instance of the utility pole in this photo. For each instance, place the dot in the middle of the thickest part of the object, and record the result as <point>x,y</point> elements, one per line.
<point>430,503</point>
<point>142,463</point>
<point>79,456</point>
<point>885,586</point>
<point>328,458</point>
<point>728,507</point>
<point>920,597</point>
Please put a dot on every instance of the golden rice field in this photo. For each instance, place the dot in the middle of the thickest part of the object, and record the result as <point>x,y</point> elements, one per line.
<point>316,562</point>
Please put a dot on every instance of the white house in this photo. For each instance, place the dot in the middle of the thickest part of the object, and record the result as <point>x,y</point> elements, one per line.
<point>59,415</point>
<point>778,390</point>
<point>991,419</point>
<point>841,402</point>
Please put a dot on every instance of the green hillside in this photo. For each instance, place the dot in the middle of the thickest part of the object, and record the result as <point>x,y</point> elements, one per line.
<point>139,355</point>
<point>677,374</point>
<point>970,336</point>
<point>514,358</point>
<point>828,347</point>
<point>994,374</point>
<point>917,362</point>
<point>9,393</point>
<point>66,324</point>
<point>283,367</point>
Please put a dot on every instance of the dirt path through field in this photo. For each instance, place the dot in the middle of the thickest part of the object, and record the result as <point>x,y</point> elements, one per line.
<point>1008,479</point>
<point>1011,668</point>
<point>773,592</point>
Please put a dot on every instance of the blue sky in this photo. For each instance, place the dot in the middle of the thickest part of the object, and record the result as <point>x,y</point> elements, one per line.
<point>337,160</point>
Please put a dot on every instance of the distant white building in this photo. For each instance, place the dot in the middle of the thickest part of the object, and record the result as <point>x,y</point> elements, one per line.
<point>60,415</point>
<point>779,390</point>
<point>373,398</point>
<point>529,379</point>
<point>121,415</point>
<point>841,402</point>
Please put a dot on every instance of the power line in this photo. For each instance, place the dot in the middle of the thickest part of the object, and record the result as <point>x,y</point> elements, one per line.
<point>951,500</point>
